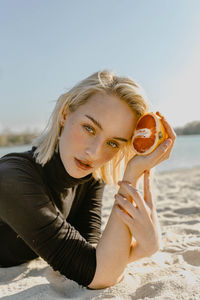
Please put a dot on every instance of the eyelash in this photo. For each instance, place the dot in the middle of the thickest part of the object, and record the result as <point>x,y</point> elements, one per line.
<point>88,128</point>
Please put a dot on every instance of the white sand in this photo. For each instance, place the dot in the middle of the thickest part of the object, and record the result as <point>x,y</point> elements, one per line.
<point>171,273</point>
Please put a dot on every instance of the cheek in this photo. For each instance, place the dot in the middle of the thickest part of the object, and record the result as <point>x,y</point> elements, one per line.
<point>107,155</point>
<point>77,137</point>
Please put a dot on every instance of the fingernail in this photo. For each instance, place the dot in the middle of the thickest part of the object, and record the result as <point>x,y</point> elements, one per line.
<point>166,144</point>
<point>159,114</point>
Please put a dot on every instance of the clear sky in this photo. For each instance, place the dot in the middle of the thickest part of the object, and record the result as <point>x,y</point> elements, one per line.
<point>47,46</point>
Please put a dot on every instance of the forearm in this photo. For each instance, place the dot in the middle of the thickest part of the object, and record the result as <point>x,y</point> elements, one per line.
<point>112,252</point>
<point>113,249</point>
<point>135,252</point>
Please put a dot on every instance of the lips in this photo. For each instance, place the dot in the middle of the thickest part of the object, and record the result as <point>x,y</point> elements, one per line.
<point>84,165</point>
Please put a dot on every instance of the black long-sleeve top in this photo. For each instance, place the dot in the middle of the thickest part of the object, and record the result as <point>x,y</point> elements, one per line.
<point>34,218</point>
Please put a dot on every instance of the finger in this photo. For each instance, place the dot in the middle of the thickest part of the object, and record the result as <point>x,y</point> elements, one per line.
<point>165,153</point>
<point>171,133</point>
<point>160,151</point>
<point>165,156</point>
<point>133,193</point>
<point>125,218</point>
<point>123,193</point>
<point>147,189</point>
<point>126,205</point>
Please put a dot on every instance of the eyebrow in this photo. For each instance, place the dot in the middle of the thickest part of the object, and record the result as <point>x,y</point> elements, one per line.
<point>99,125</point>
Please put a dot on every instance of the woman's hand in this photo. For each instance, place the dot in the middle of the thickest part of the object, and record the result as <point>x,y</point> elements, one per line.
<point>139,214</point>
<point>138,164</point>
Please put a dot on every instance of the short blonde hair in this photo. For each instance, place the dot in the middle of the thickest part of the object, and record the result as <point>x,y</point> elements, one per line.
<point>103,81</point>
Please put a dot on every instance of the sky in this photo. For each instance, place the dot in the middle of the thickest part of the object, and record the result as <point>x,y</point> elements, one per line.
<point>48,46</point>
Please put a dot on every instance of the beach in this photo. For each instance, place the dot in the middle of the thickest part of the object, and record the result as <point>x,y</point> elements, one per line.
<point>171,273</point>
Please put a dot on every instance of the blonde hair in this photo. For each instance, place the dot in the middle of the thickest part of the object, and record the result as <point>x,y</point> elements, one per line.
<point>103,81</point>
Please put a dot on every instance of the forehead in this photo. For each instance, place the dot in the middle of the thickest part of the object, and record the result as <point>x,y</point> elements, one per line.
<point>114,115</point>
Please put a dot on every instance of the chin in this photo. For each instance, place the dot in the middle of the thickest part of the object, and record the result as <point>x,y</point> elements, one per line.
<point>73,172</point>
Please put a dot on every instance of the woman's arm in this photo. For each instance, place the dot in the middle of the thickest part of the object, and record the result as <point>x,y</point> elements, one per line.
<point>115,248</point>
<point>27,208</point>
<point>112,253</point>
<point>140,216</point>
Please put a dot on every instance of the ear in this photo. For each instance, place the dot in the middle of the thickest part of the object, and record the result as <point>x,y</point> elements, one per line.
<point>64,114</point>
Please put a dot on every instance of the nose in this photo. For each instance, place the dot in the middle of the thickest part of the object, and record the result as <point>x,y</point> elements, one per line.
<point>93,149</point>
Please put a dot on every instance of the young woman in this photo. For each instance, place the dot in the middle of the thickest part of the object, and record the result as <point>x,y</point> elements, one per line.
<point>50,196</point>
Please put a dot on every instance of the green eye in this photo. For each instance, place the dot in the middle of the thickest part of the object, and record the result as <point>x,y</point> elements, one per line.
<point>88,128</point>
<point>113,145</point>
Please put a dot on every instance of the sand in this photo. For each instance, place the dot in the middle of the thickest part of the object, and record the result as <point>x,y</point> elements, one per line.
<point>171,273</point>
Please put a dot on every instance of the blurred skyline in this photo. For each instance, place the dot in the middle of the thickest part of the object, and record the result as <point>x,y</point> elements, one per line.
<point>48,46</point>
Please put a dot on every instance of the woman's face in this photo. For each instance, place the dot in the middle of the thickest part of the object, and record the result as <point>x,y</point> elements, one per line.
<point>94,133</point>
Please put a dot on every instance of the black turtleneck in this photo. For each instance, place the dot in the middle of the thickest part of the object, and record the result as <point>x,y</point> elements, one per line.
<point>35,219</point>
